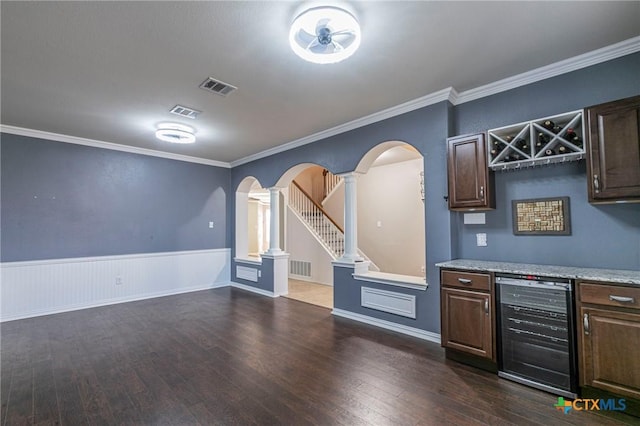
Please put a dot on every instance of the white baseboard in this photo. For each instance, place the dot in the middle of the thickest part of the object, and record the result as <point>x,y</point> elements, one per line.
<point>36,288</point>
<point>254,289</point>
<point>400,328</point>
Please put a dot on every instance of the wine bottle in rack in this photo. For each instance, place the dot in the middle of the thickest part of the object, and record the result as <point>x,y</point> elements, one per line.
<point>495,148</point>
<point>549,125</point>
<point>522,145</point>
<point>494,153</point>
<point>549,152</point>
<point>542,141</point>
<point>570,134</point>
<point>576,141</point>
<point>563,149</point>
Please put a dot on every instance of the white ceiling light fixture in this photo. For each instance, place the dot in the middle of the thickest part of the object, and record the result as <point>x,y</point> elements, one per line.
<point>325,35</point>
<point>175,133</point>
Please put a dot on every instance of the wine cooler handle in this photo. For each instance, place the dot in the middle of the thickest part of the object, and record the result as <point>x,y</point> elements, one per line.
<point>585,323</point>
<point>622,299</point>
<point>482,192</point>
<point>486,306</point>
<point>596,183</point>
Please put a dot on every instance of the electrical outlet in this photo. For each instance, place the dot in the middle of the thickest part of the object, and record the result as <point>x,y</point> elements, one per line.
<point>481,240</point>
<point>210,224</point>
<point>118,280</point>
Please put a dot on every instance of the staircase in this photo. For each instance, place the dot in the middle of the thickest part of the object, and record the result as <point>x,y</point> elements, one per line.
<point>323,227</point>
<point>330,234</point>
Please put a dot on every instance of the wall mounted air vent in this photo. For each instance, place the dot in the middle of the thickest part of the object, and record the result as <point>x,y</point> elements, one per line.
<point>183,111</point>
<point>217,87</point>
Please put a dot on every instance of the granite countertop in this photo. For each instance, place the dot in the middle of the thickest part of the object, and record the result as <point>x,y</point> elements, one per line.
<point>593,274</point>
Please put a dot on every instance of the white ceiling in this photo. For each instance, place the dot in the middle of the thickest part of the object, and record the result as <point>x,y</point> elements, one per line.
<point>110,71</point>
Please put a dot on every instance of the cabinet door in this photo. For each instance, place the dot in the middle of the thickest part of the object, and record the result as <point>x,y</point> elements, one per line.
<point>469,177</point>
<point>467,318</point>
<point>614,151</point>
<point>611,351</point>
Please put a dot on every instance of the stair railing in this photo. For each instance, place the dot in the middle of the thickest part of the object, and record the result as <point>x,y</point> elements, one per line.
<point>330,182</point>
<point>317,218</point>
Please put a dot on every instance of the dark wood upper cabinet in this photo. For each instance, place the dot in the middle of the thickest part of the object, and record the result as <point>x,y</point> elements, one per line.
<point>470,181</point>
<point>613,151</point>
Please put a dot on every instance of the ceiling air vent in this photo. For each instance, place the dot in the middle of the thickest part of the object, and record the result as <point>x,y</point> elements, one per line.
<point>217,87</point>
<point>183,111</point>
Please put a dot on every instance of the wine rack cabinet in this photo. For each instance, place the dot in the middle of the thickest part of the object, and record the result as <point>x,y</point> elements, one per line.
<point>549,140</point>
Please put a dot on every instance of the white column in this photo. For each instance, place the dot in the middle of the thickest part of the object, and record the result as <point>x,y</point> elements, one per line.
<point>350,220</point>
<point>274,226</point>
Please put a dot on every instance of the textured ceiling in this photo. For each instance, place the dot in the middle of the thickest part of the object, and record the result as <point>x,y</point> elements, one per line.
<point>110,71</point>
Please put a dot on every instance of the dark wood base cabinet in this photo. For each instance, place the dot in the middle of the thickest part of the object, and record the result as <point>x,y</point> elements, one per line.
<point>467,313</point>
<point>609,338</point>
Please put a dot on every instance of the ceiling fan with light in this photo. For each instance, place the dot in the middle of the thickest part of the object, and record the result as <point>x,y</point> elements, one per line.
<point>325,35</point>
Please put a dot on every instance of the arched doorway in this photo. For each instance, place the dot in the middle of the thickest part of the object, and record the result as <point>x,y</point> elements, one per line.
<point>312,239</point>
<point>390,208</point>
<point>252,219</point>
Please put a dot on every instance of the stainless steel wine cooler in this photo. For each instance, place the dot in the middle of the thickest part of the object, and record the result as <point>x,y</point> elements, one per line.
<point>536,333</point>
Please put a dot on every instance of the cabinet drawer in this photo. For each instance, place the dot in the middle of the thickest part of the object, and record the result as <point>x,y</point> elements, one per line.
<point>610,295</point>
<point>468,280</point>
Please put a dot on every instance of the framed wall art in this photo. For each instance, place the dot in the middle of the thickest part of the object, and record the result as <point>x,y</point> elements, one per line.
<point>541,216</point>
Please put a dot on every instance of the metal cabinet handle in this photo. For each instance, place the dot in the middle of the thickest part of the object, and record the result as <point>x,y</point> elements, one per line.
<point>464,281</point>
<point>585,323</point>
<point>622,299</point>
<point>486,306</point>
<point>482,192</point>
<point>596,183</point>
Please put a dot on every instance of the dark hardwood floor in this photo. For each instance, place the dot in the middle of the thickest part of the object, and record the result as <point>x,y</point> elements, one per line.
<point>227,356</point>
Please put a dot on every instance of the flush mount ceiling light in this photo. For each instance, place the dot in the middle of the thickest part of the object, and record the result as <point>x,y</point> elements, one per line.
<point>175,133</point>
<point>325,35</point>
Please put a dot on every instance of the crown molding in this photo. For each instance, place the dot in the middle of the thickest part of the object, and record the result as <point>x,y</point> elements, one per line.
<point>433,98</point>
<point>107,145</point>
<point>450,94</point>
<point>594,57</point>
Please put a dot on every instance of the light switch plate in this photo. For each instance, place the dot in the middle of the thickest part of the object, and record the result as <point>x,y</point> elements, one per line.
<point>475,219</point>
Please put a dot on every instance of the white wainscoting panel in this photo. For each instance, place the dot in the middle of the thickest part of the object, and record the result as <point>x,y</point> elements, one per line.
<point>389,301</point>
<point>247,273</point>
<point>44,287</point>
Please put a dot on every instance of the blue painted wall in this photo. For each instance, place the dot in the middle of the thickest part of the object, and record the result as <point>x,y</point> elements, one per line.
<point>426,129</point>
<point>62,200</point>
<point>604,236</point>
<point>109,202</point>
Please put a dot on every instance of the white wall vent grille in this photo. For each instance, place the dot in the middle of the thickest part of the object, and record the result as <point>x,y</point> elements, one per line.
<point>184,111</point>
<point>245,273</point>
<point>300,268</point>
<point>217,87</point>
